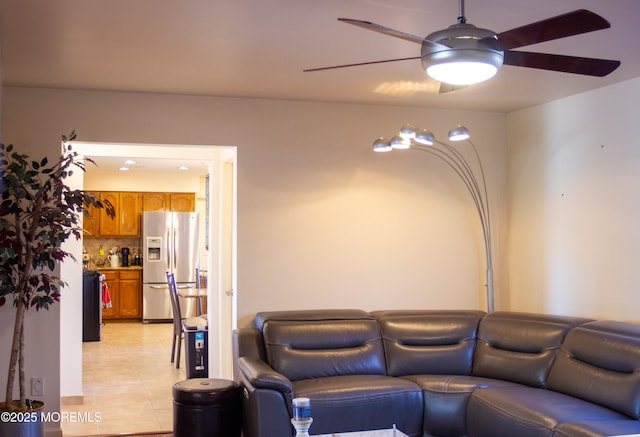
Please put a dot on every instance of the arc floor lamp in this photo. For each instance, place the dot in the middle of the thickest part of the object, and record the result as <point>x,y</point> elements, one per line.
<point>410,137</point>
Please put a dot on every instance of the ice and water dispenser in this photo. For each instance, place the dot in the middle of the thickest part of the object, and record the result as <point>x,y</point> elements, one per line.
<point>154,249</point>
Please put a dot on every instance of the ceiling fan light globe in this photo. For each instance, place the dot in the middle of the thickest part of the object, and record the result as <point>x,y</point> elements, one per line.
<point>462,73</point>
<point>472,55</point>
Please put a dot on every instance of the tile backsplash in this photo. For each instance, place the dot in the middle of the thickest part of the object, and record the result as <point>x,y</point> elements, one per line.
<point>92,245</point>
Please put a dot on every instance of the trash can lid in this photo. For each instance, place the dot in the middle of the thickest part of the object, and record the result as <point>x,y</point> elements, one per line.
<point>206,391</point>
<point>195,323</point>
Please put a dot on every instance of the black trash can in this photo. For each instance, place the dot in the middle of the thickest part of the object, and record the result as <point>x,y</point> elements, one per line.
<point>207,407</point>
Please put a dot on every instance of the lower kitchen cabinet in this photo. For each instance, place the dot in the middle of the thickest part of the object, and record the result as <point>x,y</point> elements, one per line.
<point>126,296</point>
<point>129,305</point>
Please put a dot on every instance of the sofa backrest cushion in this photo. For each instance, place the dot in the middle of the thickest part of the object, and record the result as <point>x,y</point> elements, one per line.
<point>314,344</point>
<point>520,347</point>
<point>600,362</point>
<point>429,341</point>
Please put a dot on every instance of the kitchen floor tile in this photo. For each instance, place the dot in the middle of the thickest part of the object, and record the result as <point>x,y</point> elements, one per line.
<point>127,382</point>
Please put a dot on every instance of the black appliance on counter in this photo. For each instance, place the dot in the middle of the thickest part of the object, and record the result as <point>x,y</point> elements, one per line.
<point>125,256</point>
<point>91,305</point>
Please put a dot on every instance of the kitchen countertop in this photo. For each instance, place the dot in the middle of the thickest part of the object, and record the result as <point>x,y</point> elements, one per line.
<point>117,268</point>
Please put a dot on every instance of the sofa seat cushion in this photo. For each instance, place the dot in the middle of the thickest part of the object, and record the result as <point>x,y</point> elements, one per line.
<point>445,400</point>
<point>597,428</point>
<point>527,412</point>
<point>361,402</point>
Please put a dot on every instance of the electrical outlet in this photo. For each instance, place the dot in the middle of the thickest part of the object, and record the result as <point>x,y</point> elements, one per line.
<point>37,386</point>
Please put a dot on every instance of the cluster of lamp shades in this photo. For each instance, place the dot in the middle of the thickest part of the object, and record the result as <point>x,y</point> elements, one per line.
<point>409,133</point>
<point>411,137</point>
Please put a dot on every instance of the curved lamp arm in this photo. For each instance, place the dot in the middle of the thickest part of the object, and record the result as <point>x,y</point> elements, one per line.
<point>477,188</point>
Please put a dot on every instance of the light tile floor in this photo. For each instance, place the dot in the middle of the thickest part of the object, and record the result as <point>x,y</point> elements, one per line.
<point>127,380</point>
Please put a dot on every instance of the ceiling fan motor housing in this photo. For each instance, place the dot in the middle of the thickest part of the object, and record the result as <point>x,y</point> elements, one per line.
<point>462,44</point>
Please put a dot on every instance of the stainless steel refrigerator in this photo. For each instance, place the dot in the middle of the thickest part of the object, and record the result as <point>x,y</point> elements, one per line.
<point>170,244</point>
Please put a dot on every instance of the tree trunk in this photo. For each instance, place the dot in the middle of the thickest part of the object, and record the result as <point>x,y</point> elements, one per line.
<point>16,346</point>
<point>23,391</point>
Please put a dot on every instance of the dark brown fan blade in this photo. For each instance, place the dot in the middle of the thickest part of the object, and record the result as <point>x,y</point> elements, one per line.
<point>388,31</point>
<point>359,64</point>
<point>566,64</point>
<point>561,26</point>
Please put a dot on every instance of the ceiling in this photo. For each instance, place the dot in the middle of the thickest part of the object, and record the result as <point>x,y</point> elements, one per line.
<point>104,164</point>
<point>258,48</point>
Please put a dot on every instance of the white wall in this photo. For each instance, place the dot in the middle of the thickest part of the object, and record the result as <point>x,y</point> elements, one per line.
<point>574,178</point>
<point>322,220</point>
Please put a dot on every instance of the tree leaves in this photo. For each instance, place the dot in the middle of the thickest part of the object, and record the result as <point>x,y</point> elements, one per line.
<point>38,213</point>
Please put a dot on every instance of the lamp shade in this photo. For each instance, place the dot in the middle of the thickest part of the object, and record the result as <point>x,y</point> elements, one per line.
<point>459,133</point>
<point>408,131</point>
<point>382,145</point>
<point>424,137</point>
<point>397,142</point>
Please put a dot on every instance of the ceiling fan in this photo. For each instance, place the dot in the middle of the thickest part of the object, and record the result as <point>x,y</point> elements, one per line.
<point>464,54</point>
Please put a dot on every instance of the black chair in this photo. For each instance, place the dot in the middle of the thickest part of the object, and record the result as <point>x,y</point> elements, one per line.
<point>178,332</point>
<point>179,323</point>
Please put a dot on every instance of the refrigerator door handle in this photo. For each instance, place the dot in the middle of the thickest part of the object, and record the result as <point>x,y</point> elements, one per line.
<point>169,250</point>
<point>183,286</point>
<point>175,249</point>
<point>159,287</point>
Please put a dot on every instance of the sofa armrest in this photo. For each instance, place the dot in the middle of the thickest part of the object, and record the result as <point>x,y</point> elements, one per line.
<point>267,400</point>
<point>260,375</point>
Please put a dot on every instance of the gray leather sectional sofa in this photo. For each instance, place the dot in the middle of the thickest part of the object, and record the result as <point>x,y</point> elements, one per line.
<point>440,373</point>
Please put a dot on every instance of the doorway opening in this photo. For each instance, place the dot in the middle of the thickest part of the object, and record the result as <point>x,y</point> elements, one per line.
<point>220,164</point>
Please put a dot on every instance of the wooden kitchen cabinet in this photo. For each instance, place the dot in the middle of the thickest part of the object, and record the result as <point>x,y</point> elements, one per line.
<point>177,202</point>
<point>129,207</point>
<point>182,202</point>
<point>154,202</point>
<point>130,212</point>
<point>126,222</point>
<point>126,294</point>
<point>111,278</point>
<point>129,305</point>
<point>109,225</point>
<point>91,221</point>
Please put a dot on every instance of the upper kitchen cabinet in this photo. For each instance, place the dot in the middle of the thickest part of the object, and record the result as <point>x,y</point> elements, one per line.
<point>177,202</point>
<point>130,212</point>
<point>154,202</point>
<point>182,202</point>
<point>91,221</point>
<point>128,208</point>
<point>109,225</point>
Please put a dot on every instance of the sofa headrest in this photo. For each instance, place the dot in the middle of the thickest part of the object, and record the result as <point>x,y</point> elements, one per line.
<point>600,362</point>
<point>326,343</point>
<point>520,347</point>
<point>429,341</point>
<point>310,315</point>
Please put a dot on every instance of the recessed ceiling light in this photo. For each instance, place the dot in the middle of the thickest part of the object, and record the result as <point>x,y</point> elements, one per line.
<point>123,168</point>
<point>129,162</point>
<point>183,168</point>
